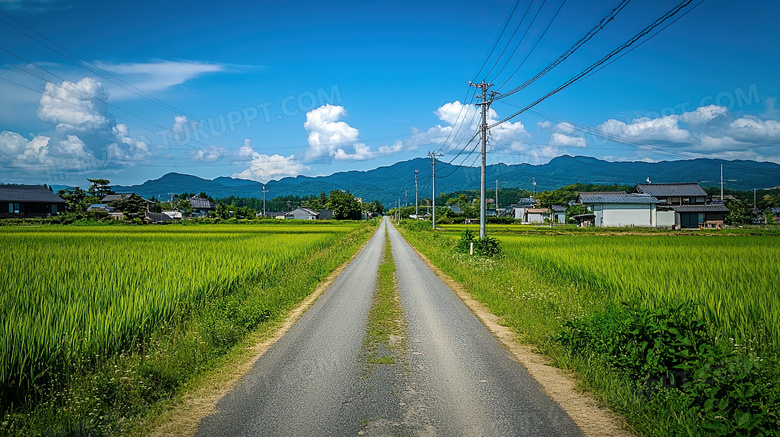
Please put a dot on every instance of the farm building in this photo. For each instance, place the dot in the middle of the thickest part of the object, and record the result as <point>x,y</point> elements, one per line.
<point>29,201</point>
<point>617,208</point>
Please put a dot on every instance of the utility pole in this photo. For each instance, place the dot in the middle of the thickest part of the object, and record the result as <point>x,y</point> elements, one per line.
<point>264,191</point>
<point>721,183</point>
<point>406,198</point>
<point>485,102</point>
<point>433,156</point>
<point>496,199</point>
<point>533,181</point>
<point>416,207</point>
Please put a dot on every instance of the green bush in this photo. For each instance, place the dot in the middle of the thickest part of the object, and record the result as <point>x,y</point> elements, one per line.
<point>668,352</point>
<point>487,246</point>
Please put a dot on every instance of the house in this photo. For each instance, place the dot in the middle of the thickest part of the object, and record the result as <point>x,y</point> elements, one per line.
<point>100,207</point>
<point>698,216</point>
<point>618,208</point>
<point>775,214</point>
<point>158,218</point>
<point>201,206</point>
<point>558,214</point>
<point>684,205</point>
<point>108,198</point>
<point>554,214</point>
<point>536,215</point>
<point>325,214</point>
<point>520,207</point>
<point>302,214</point>
<point>29,201</point>
<point>674,194</point>
<point>175,215</point>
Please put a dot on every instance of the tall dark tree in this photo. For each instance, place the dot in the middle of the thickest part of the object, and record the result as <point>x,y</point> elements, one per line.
<point>99,188</point>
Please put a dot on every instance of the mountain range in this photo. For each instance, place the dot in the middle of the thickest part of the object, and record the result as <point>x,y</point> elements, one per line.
<point>390,183</point>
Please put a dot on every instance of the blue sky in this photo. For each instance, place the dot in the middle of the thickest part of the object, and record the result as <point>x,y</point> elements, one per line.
<point>274,89</point>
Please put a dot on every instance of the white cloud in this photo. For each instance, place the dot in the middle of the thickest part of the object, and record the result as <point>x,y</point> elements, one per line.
<point>75,106</point>
<point>263,168</point>
<point>563,140</point>
<point>461,122</point>
<point>662,129</point>
<point>753,129</point>
<point>565,128</point>
<point>703,114</point>
<point>157,76</point>
<point>210,154</point>
<point>708,131</point>
<point>330,138</point>
<point>85,137</point>
<point>544,124</point>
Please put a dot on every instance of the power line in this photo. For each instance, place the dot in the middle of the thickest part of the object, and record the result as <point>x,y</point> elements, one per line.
<point>532,48</point>
<point>499,38</point>
<point>515,32</point>
<point>585,38</point>
<point>601,61</point>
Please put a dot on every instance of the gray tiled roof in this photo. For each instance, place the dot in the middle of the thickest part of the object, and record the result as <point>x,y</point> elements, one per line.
<point>201,203</point>
<point>28,193</point>
<point>617,197</point>
<point>691,189</point>
<point>108,198</point>
<point>158,217</point>
<point>700,208</point>
<point>558,208</point>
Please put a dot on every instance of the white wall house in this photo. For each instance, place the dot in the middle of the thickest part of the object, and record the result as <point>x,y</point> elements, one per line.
<point>618,209</point>
<point>302,214</point>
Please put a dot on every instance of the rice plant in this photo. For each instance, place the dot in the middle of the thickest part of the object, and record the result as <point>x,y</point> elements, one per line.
<point>69,295</point>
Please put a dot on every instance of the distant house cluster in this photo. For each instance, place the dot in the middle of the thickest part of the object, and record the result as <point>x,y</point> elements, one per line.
<point>674,206</point>
<point>527,211</point>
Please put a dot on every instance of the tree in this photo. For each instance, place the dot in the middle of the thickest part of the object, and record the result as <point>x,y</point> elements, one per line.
<point>99,188</point>
<point>132,204</point>
<point>738,213</point>
<point>344,205</point>
<point>573,210</point>
<point>186,208</point>
<point>375,207</point>
<point>74,199</point>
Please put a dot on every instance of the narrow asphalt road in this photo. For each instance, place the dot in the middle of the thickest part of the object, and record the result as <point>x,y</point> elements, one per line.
<point>451,379</point>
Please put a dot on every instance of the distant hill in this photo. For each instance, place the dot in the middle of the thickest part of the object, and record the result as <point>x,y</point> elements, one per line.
<point>387,184</point>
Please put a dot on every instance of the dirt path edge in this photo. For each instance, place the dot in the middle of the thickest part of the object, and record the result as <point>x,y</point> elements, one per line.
<point>592,418</point>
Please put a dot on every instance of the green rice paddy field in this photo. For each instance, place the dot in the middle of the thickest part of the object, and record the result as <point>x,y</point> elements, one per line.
<point>734,280</point>
<point>71,297</point>
<point>677,331</point>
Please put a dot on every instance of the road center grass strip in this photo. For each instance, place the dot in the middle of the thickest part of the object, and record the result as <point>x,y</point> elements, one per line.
<point>385,319</point>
